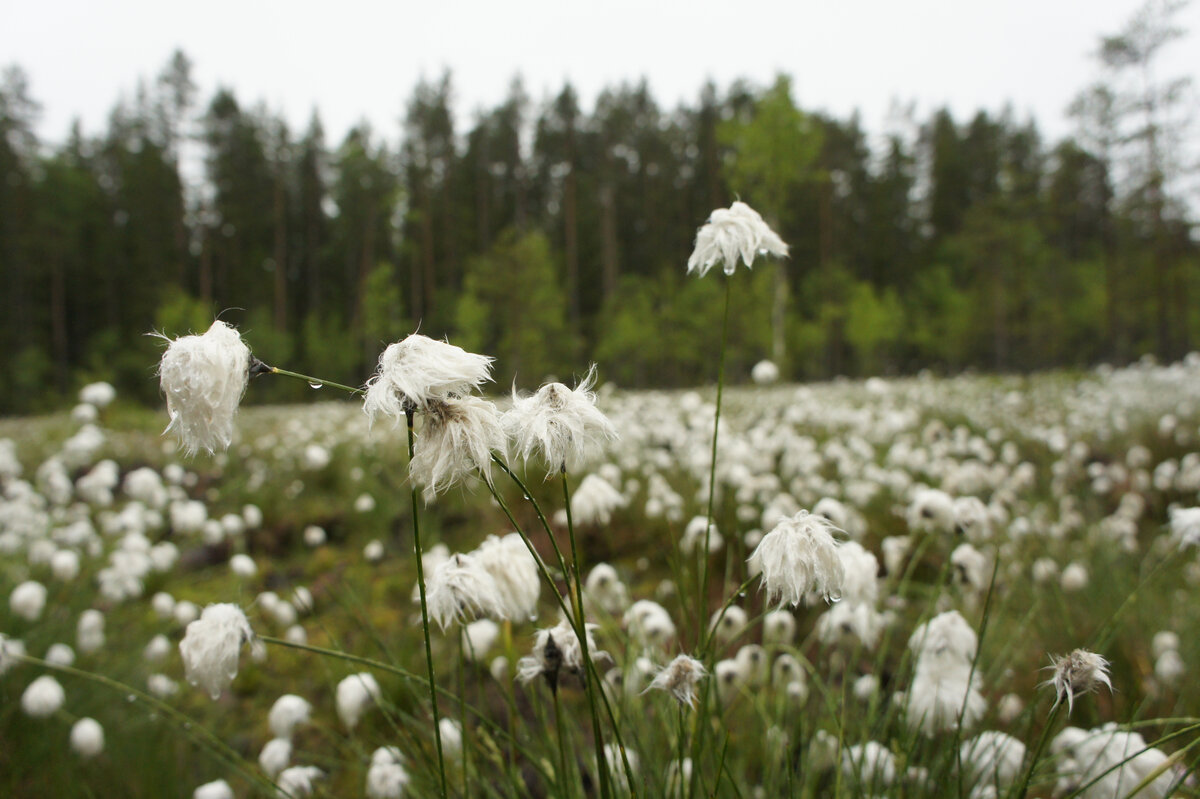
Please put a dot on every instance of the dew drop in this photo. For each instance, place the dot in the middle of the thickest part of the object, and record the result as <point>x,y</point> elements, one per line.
<point>526,496</point>
<point>314,385</point>
<point>130,698</point>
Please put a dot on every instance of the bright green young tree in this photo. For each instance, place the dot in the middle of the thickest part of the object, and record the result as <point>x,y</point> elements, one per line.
<point>773,151</point>
<point>512,306</point>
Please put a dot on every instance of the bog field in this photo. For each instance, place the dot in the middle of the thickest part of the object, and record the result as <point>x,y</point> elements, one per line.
<point>978,586</point>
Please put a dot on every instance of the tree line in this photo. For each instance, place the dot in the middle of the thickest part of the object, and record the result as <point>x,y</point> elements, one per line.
<point>550,235</point>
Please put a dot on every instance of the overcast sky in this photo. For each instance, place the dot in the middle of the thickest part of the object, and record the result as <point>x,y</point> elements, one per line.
<point>355,60</point>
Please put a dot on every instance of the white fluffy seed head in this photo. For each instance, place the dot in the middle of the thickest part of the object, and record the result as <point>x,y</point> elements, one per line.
<point>561,425</point>
<point>730,233</point>
<point>515,571</point>
<point>275,756</point>
<point>355,694</point>
<point>87,738</point>
<point>203,378</point>
<point>1078,673</point>
<point>461,589</point>
<point>679,678</point>
<point>418,371</point>
<point>43,697</point>
<point>798,557</point>
<point>217,789</point>
<point>211,645</point>
<point>456,441</point>
<point>288,712</point>
<point>27,600</point>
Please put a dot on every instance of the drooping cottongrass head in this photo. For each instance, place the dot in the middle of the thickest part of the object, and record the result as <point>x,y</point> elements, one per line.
<point>288,713</point>
<point>456,442</point>
<point>679,678</point>
<point>87,738</point>
<point>779,628</point>
<point>461,589</point>
<point>556,650</point>
<point>42,697</point>
<point>211,645</point>
<point>203,378</point>
<point>730,233</point>
<point>1076,674</point>
<point>797,557</point>
<point>850,624</point>
<point>386,778</point>
<point>355,694</point>
<point>418,371</point>
<point>562,425</point>
<point>518,582</point>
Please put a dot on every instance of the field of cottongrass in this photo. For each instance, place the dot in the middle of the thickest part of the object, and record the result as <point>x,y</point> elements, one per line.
<point>986,526</point>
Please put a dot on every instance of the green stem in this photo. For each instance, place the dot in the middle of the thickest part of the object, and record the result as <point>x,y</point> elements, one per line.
<point>437,728</point>
<point>702,599</point>
<point>564,778</point>
<point>1037,751</point>
<point>601,761</point>
<point>313,381</point>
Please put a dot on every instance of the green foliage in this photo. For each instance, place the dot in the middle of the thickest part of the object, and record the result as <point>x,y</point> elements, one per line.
<point>512,307</point>
<point>383,309</point>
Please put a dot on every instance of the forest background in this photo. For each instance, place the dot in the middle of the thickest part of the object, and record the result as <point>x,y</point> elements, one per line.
<point>550,235</point>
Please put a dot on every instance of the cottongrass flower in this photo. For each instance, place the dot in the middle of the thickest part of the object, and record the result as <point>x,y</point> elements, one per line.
<point>799,556</point>
<point>87,738</point>
<point>297,781</point>
<point>779,628</point>
<point>871,764</point>
<point>275,756</point>
<point>594,500</point>
<point>556,650</point>
<point>562,425</point>
<point>679,678</point>
<point>518,582</point>
<point>43,697</point>
<point>452,739</point>
<point>386,778</point>
<point>992,759</point>
<point>27,600</point>
<point>461,588</point>
<point>217,789</point>
<point>730,233</point>
<point>89,630</point>
<point>945,635</point>
<point>60,655</point>
<point>649,622</point>
<point>11,652</point>
<point>203,378</point>
<point>211,645</point>
<point>603,588</point>
<point>456,441</point>
<point>944,694</point>
<point>1112,761</point>
<point>1076,674</point>
<point>1185,526</point>
<point>355,694</point>
<point>288,713</point>
<point>478,638</point>
<point>419,371</point>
